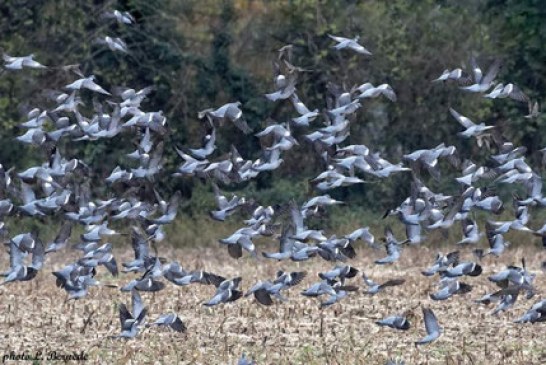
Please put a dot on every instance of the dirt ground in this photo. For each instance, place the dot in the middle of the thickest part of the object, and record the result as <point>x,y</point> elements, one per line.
<point>35,317</point>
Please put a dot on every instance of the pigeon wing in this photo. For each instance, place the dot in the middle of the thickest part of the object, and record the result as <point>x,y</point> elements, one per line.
<point>431,322</point>
<point>138,305</point>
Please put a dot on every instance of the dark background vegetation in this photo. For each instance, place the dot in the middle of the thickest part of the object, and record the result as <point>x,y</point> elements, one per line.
<point>203,53</point>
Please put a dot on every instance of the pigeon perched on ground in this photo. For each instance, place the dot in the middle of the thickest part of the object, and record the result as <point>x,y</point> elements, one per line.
<point>396,322</point>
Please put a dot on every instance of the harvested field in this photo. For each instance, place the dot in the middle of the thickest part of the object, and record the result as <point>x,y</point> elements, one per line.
<point>34,317</point>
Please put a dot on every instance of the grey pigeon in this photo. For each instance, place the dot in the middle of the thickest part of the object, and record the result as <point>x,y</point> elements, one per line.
<point>87,83</point>
<point>432,327</point>
<point>455,74</point>
<point>472,129</point>
<point>374,288</point>
<point>483,83</point>
<point>347,43</point>
<point>226,291</point>
<point>148,281</point>
<point>229,111</point>
<point>170,320</point>
<point>115,44</point>
<point>393,249</point>
<point>534,111</point>
<point>335,290</point>
<point>244,360</point>
<point>76,280</point>
<point>396,322</point>
<point>340,272</point>
<point>363,234</point>
<point>61,239</point>
<point>18,63</point>
<point>18,270</point>
<point>131,322</point>
<point>169,210</point>
<point>141,250</point>
<point>460,269</point>
<point>123,17</point>
<point>537,313</point>
<point>450,287</point>
<point>441,262</point>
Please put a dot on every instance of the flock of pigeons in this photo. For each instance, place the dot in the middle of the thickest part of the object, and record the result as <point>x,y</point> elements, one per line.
<point>60,187</point>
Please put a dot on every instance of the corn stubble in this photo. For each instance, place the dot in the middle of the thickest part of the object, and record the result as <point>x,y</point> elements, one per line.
<point>35,317</point>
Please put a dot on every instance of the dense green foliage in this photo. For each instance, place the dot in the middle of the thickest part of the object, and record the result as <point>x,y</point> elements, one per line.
<point>201,54</point>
